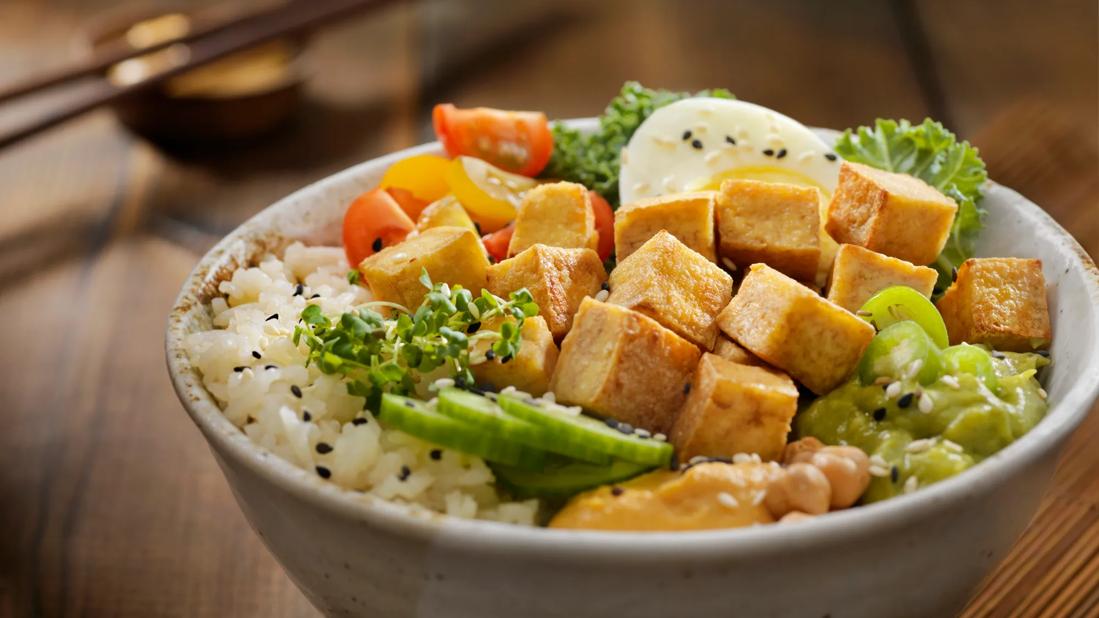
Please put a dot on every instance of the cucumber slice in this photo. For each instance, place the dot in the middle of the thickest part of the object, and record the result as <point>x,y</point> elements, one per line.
<point>415,418</point>
<point>563,478</point>
<point>481,411</point>
<point>893,352</point>
<point>900,303</point>
<point>580,429</point>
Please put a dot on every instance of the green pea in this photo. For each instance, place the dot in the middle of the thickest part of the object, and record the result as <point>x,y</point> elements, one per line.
<point>900,303</point>
<point>897,350</point>
<point>971,359</point>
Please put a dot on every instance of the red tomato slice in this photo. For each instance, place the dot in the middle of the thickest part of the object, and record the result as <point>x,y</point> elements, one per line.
<point>519,142</point>
<point>604,224</point>
<point>373,221</point>
<point>497,242</point>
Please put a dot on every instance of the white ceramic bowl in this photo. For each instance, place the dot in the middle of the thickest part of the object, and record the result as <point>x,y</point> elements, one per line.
<point>916,555</point>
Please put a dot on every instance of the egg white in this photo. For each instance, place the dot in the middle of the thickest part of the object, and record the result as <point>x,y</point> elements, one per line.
<point>696,143</point>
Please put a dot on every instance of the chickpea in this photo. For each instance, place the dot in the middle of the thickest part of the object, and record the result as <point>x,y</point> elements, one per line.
<point>794,517</point>
<point>799,487</point>
<point>848,471</point>
<point>801,450</point>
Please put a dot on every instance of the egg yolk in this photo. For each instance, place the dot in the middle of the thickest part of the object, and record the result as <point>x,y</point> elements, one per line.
<point>765,173</point>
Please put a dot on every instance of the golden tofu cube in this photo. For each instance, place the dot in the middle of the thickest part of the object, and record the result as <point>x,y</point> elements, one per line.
<point>532,367</point>
<point>451,255</point>
<point>558,214</point>
<point>858,274</point>
<point>687,216</point>
<point>1000,302</point>
<point>556,277</point>
<point>667,281</point>
<point>446,211</point>
<point>774,223</point>
<point>732,351</point>
<point>794,329</point>
<point>624,365</point>
<point>894,214</point>
<point>734,408</point>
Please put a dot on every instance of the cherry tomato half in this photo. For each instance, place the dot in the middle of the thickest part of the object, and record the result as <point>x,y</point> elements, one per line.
<point>409,203</point>
<point>518,142</point>
<point>604,224</point>
<point>373,221</point>
<point>497,242</point>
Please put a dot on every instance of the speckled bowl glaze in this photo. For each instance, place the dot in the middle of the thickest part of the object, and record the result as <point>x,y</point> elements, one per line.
<point>916,555</point>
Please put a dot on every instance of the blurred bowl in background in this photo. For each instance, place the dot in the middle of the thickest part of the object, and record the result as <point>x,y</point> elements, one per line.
<point>240,96</point>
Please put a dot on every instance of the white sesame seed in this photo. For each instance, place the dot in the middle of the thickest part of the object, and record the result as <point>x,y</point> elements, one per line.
<point>697,459</point>
<point>641,187</point>
<point>711,157</point>
<point>805,156</point>
<point>660,140</point>
<point>474,311</point>
<point>669,184</point>
<point>755,458</point>
<point>893,390</point>
<point>878,460</point>
<point>882,380</point>
<point>950,381</point>
<point>919,446</point>
<point>643,433</point>
<point>441,383</point>
<point>728,264</point>
<point>758,497</point>
<point>914,368</point>
<point>602,296</point>
<point>878,471</point>
<point>911,485</point>
<point>727,499</point>
<point>507,390</point>
<point>741,458</point>
<point>925,404</point>
<point>549,396</point>
<point>952,446</point>
<point>659,437</point>
<point>1042,393</point>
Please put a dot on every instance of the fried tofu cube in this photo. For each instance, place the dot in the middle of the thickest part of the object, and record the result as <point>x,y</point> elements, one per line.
<point>451,255</point>
<point>687,216</point>
<point>624,365</point>
<point>531,369</point>
<point>1000,302</point>
<point>556,277</point>
<point>446,211</point>
<point>774,223</point>
<point>558,214</point>
<point>786,324</point>
<point>895,214</point>
<point>667,281</point>
<point>734,408</point>
<point>732,351</point>
<point>859,273</point>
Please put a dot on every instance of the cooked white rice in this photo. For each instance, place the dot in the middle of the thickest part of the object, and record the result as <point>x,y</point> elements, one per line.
<point>257,314</point>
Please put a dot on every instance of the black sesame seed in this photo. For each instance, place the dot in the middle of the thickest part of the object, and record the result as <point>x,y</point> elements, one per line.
<point>610,422</point>
<point>436,454</point>
<point>314,296</point>
<point>831,156</point>
<point>998,354</point>
<point>409,404</point>
<point>606,287</point>
<point>460,381</point>
<point>359,421</point>
<point>696,144</point>
<point>879,414</point>
<point>269,367</point>
<point>506,359</point>
<point>238,369</point>
<point>405,473</point>
<point>730,140</point>
<point>324,448</point>
<point>687,388</point>
<point>781,153</point>
<point>294,388</point>
<point>306,416</point>
<point>376,245</point>
<point>954,273</point>
<point>1043,353</point>
<point>769,152</point>
<point>323,472</point>
<point>256,354</point>
<point>298,291</point>
<point>686,135</point>
<point>625,428</point>
<point>473,327</point>
<point>617,491</point>
<point>489,355</point>
<point>894,474</point>
<point>905,400</point>
<point>273,316</point>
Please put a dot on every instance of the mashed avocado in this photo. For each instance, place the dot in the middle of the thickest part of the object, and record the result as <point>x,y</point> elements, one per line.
<point>963,423</point>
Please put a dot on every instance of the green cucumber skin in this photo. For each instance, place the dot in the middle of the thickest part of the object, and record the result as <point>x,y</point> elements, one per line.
<point>593,433</point>
<point>420,421</point>
<point>488,416</point>
<point>565,480</point>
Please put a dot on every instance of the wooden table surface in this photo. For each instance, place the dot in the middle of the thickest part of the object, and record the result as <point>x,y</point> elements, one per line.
<point>110,503</point>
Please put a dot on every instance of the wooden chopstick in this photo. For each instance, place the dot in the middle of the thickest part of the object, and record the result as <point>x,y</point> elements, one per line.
<point>294,17</point>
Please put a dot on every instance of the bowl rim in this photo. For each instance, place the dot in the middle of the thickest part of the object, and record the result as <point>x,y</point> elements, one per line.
<point>488,537</point>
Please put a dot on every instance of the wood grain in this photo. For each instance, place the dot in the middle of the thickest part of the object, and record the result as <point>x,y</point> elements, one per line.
<point>109,500</point>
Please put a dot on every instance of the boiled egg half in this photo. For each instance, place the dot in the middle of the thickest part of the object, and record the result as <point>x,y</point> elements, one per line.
<point>695,144</point>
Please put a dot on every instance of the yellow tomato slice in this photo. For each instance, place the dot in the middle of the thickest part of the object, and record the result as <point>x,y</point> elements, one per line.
<point>490,194</point>
<point>424,176</point>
